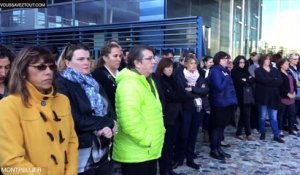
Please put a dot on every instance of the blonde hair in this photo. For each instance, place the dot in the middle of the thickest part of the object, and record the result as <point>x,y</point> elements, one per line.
<point>67,54</point>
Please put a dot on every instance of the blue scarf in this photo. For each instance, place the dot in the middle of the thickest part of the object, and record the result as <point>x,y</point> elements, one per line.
<point>91,88</point>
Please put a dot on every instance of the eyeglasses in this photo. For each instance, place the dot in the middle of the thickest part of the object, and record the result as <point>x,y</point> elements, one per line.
<point>43,67</point>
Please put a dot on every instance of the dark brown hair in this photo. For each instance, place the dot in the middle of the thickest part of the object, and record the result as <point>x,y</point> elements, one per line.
<point>105,51</point>
<point>262,59</point>
<point>18,74</point>
<point>220,55</point>
<point>163,63</point>
<point>280,62</point>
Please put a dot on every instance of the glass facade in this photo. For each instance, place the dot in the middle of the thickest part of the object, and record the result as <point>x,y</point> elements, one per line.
<point>229,25</point>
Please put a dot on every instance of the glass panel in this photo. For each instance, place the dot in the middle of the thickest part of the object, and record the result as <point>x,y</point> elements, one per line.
<point>60,16</point>
<point>89,13</point>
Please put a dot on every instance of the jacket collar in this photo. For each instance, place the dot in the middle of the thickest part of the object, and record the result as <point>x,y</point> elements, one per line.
<point>36,96</point>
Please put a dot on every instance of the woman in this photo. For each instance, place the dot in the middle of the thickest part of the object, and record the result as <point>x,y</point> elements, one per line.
<point>6,58</point>
<point>223,100</point>
<point>208,63</point>
<point>294,70</point>
<point>36,128</point>
<point>107,70</point>
<point>196,88</point>
<point>172,112</point>
<point>204,72</point>
<point>92,114</point>
<point>241,79</point>
<point>287,93</point>
<point>268,81</point>
<point>138,144</point>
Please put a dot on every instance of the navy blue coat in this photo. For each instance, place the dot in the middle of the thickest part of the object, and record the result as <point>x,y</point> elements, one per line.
<point>221,88</point>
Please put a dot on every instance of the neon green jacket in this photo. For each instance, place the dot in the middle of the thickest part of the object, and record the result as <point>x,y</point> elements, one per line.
<point>139,114</point>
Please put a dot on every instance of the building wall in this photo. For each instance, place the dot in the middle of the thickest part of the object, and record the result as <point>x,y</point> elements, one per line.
<point>229,25</point>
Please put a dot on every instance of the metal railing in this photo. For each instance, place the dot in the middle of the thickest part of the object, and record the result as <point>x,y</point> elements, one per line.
<point>176,34</point>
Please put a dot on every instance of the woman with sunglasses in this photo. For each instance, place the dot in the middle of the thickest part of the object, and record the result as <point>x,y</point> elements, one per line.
<point>92,113</point>
<point>36,129</point>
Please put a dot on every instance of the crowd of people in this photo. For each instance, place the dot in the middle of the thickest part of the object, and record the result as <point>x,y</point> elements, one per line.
<point>67,114</point>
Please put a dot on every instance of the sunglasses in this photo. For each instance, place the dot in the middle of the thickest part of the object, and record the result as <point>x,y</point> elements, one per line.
<point>43,67</point>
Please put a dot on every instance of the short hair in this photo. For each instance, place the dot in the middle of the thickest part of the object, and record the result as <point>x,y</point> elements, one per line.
<point>275,57</point>
<point>18,74</point>
<point>291,56</point>
<point>206,58</point>
<point>105,51</point>
<point>163,63</point>
<point>135,53</point>
<point>280,62</point>
<point>5,52</point>
<point>262,59</point>
<point>220,55</point>
<point>67,54</point>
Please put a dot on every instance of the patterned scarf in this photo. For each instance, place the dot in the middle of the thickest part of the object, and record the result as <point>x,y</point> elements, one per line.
<point>91,88</point>
<point>191,77</point>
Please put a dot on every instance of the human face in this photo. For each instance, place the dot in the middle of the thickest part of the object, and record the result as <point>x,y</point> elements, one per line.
<point>285,66</point>
<point>126,57</point>
<point>41,79</point>
<point>4,69</point>
<point>145,66</point>
<point>294,60</point>
<point>267,62</point>
<point>191,65</point>
<point>224,62</point>
<point>209,63</point>
<point>80,62</point>
<point>113,59</point>
<point>242,63</point>
<point>168,70</point>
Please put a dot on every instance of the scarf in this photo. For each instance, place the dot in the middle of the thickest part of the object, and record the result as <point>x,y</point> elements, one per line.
<point>190,77</point>
<point>90,87</point>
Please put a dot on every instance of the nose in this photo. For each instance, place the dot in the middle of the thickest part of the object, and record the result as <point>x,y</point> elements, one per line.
<point>2,72</point>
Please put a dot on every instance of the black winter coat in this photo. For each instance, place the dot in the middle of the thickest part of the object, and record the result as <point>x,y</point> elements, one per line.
<point>174,97</point>
<point>237,75</point>
<point>267,87</point>
<point>84,119</point>
<point>107,81</point>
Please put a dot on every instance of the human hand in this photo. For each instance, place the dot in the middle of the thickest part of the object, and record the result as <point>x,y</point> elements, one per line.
<point>188,89</point>
<point>105,132</point>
